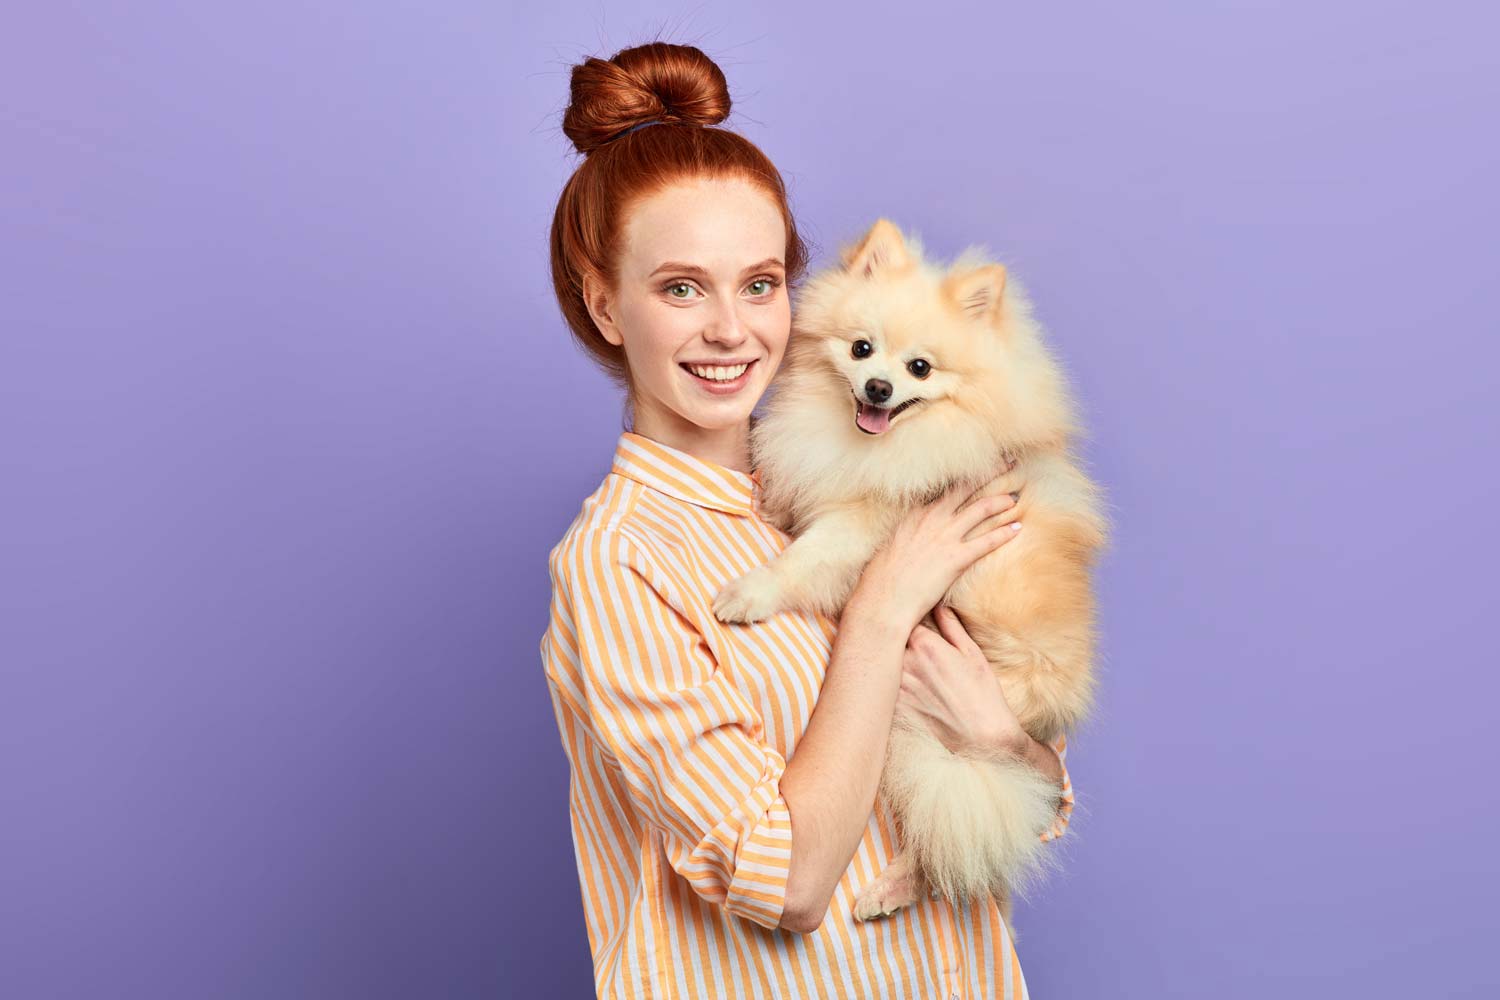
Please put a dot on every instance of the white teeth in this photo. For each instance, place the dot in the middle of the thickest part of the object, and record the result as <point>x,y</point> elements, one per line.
<point>718,374</point>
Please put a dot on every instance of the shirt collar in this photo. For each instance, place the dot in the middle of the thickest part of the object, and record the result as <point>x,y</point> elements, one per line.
<point>684,476</point>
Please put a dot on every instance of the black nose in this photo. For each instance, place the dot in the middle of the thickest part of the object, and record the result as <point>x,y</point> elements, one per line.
<point>877,390</point>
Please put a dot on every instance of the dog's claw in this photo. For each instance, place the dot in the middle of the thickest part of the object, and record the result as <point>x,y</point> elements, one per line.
<point>751,598</point>
<point>887,894</point>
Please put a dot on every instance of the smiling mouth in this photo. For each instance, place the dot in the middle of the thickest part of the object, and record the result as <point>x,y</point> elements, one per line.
<point>874,419</point>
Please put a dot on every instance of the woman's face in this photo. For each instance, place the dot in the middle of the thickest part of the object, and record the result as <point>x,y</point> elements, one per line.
<point>701,294</point>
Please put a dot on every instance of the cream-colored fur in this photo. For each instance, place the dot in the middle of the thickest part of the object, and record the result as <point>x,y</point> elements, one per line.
<point>963,820</point>
<point>993,395</point>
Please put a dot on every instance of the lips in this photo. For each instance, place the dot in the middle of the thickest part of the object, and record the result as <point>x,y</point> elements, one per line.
<point>874,419</point>
<point>725,387</point>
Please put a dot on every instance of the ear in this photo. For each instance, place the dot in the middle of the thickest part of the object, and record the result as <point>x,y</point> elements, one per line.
<point>883,248</point>
<point>977,293</point>
<point>597,301</point>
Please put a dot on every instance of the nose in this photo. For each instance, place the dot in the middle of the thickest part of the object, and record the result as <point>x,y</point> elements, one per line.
<point>877,390</point>
<point>726,327</point>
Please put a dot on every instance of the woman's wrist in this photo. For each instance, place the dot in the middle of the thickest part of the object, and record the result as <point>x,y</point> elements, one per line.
<point>1037,755</point>
<point>878,604</point>
<point>995,743</point>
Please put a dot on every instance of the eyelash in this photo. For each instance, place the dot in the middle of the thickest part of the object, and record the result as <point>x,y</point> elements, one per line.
<point>774,282</point>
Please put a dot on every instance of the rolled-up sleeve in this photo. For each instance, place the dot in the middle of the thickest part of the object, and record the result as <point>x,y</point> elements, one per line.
<point>689,745</point>
<point>1065,804</point>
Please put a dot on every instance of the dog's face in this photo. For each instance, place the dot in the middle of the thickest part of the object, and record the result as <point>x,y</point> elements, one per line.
<point>891,372</point>
<point>903,376</point>
<point>905,344</point>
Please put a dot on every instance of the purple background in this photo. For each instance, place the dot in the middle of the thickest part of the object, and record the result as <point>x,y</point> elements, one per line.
<point>289,421</point>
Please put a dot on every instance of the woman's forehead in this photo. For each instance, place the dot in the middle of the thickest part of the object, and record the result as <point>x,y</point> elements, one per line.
<point>723,229</point>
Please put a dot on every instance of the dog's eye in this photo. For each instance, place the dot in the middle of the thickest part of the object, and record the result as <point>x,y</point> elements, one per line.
<point>919,367</point>
<point>863,349</point>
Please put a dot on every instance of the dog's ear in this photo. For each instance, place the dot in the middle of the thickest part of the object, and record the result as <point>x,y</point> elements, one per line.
<point>883,248</point>
<point>977,293</point>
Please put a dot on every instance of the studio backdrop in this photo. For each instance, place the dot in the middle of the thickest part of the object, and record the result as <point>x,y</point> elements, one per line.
<point>289,421</point>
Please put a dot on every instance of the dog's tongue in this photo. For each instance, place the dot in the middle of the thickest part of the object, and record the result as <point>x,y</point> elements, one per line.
<point>874,419</point>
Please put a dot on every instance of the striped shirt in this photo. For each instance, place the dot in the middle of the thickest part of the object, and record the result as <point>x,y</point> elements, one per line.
<point>677,729</point>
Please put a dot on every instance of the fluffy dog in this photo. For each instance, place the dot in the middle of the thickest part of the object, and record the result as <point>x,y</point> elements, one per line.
<point>902,378</point>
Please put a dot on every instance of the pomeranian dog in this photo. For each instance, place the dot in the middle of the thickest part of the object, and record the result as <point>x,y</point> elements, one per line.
<point>901,379</point>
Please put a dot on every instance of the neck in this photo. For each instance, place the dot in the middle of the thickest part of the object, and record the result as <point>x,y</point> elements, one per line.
<point>726,446</point>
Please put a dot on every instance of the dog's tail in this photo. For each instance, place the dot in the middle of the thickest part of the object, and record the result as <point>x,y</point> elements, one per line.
<point>973,825</point>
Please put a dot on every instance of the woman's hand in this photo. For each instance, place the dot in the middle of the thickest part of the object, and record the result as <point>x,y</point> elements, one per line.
<point>933,545</point>
<point>1010,481</point>
<point>947,682</point>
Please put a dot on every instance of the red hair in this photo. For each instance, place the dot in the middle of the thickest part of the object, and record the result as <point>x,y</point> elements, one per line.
<point>675,84</point>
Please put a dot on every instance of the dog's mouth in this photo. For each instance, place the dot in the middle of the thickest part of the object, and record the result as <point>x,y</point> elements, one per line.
<point>874,419</point>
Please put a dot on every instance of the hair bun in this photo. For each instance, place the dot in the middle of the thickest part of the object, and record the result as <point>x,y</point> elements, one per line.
<point>658,80</point>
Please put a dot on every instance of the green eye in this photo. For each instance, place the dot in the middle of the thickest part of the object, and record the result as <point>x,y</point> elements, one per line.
<point>680,284</point>
<point>771,282</point>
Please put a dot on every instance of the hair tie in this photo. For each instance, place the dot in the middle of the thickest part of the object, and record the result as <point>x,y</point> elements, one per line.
<point>654,121</point>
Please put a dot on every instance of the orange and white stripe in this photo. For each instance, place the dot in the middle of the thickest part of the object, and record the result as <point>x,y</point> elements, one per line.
<point>677,729</point>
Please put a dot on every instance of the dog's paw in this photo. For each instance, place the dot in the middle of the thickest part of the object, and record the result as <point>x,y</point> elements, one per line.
<point>887,894</point>
<point>1011,481</point>
<point>752,598</point>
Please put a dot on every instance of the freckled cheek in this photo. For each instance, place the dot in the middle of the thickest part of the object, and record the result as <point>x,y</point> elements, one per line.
<point>663,342</point>
<point>775,333</point>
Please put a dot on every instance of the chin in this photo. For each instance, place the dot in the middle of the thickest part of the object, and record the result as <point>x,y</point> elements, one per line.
<point>722,421</point>
<point>953,384</point>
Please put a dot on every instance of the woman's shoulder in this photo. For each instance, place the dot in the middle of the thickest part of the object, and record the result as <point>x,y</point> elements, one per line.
<point>620,521</point>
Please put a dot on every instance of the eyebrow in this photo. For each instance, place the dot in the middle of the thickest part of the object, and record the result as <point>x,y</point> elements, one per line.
<point>696,271</point>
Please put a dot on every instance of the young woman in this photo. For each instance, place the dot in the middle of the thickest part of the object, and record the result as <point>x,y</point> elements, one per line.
<point>724,777</point>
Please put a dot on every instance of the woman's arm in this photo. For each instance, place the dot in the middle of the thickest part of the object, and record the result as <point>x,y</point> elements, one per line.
<point>1051,761</point>
<point>1039,755</point>
<point>625,661</point>
<point>830,783</point>
<point>948,682</point>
